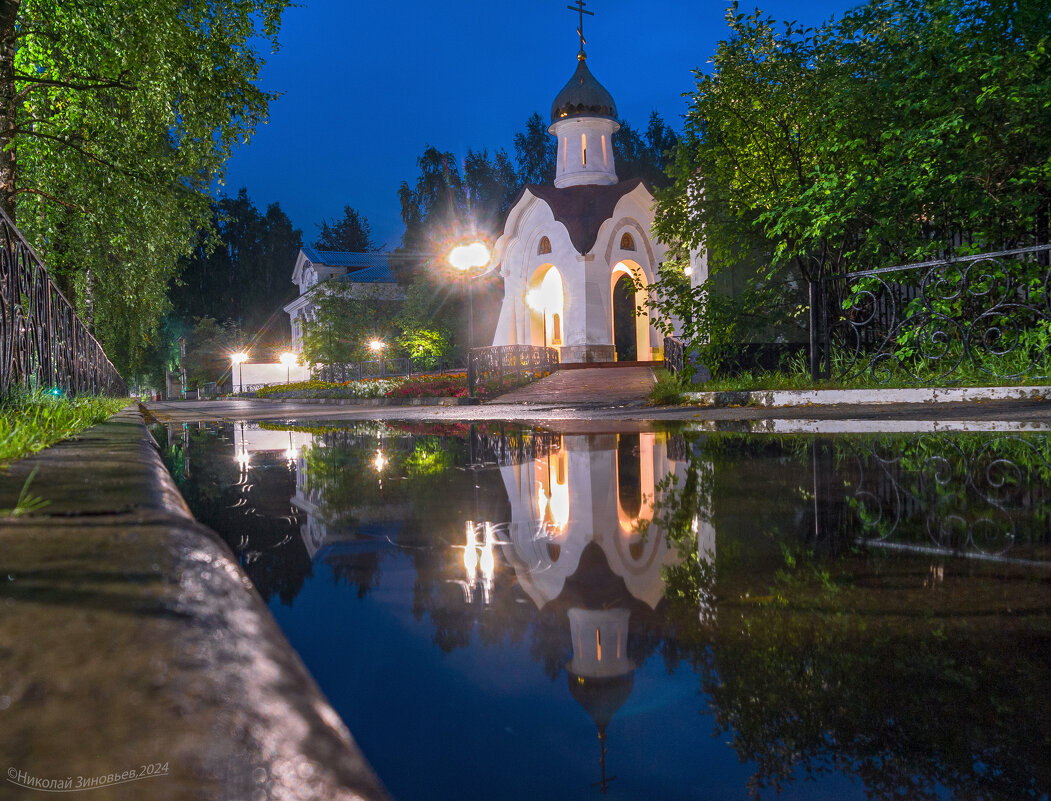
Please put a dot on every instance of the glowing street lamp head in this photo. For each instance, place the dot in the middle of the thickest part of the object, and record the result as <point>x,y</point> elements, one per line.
<point>288,358</point>
<point>239,358</point>
<point>377,345</point>
<point>466,257</point>
<point>535,300</point>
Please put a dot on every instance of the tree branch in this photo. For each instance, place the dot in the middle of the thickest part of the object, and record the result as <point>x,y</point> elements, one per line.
<point>24,190</point>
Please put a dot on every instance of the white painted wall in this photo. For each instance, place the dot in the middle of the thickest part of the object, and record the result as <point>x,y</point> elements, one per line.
<point>267,373</point>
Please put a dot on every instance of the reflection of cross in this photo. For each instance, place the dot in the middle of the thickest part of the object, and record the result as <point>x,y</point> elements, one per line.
<point>579,8</point>
<point>603,784</point>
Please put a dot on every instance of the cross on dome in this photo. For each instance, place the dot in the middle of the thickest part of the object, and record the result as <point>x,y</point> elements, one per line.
<point>579,8</point>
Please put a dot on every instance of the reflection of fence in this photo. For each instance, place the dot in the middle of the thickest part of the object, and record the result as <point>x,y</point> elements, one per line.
<point>980,497</point>
<point>389,368</point>
<point>498,363</point>
<point>507,446</point>
<point>927,321</point>
<point>43,343</point>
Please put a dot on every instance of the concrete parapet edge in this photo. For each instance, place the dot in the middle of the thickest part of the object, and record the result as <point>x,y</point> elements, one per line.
<point>130,637</point>
<point>866,397</point>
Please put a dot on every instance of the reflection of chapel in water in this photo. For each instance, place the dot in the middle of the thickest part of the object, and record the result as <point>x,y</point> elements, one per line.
<point>581,543</point>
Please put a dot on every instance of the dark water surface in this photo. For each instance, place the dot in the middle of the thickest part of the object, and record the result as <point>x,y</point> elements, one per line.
<point>503,613</point>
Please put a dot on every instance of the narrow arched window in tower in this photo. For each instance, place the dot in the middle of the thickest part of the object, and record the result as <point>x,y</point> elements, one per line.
<point>584,149</point>
<point>556,329</point>
<point>544,246</point>
<point>565,148</point>
<point>627,243</point>
<point>605,159</point>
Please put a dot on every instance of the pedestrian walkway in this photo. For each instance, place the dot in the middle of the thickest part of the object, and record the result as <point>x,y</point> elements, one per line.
<point>600,385</point>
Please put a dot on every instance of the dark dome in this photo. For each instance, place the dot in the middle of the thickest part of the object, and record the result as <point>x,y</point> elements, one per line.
<point>601,698</point>
<point>583,96</point>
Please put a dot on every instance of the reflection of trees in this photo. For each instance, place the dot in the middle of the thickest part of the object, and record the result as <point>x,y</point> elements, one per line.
<point>912,672</point>
<point>251,510</point>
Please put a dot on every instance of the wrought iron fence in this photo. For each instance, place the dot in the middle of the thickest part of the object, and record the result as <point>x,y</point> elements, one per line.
<point>499,362</point>
<point>674,355</point>
<point>43,343</point>
<point>389,368</point>
<point>989,313</point>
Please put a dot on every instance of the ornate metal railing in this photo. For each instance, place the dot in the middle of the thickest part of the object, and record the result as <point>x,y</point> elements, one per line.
<point>674,355</point>
<point>43,343</point>
<point>989,313</point>
<point>498,363</point>
<point>389,368</point>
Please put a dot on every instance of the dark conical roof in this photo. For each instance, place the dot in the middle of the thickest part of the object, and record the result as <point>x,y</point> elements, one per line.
<point>583,96</point>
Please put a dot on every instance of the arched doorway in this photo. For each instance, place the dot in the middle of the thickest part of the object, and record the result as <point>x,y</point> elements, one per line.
<point>631,319</point>
<point>624,339</point>
<point>545,300</point>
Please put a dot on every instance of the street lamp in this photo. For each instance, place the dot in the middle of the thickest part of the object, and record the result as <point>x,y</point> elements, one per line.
<point>465,258</point>
<point>377,346</point>
<point>237,359</point>
<point>288,359</point>
<point>535,300</point>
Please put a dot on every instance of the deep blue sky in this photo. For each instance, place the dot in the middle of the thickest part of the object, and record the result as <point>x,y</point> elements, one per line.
<point>367,86</point>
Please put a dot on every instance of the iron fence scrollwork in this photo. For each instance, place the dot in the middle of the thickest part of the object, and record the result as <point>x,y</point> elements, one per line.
<point>990,313</point>
<point>43,343</point>
<point>498,363</point>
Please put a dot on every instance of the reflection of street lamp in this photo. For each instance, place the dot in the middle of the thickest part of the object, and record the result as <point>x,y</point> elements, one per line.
<point>238,359</point>
<point>465,258</point>
<point>288,359</point>
<point>479,557</point>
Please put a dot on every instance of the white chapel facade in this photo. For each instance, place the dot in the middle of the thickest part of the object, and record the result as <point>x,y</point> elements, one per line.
<point>568,251</point>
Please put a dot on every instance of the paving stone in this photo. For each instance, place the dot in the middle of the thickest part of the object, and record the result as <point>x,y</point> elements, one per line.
<point>129,637</point>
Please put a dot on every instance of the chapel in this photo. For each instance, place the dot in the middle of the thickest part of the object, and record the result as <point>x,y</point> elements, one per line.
<point>577,257</point>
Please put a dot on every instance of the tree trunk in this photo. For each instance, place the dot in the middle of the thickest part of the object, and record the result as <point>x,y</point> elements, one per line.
<point>8,116</point>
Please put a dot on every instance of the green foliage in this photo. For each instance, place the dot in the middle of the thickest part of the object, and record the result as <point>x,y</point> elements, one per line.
<point>351,233</point>
<point>668,390</point>
<point>31,421</point>
<point>646,158</point>
<point>345,318</point>
<point>208,349</point>
<point>118,117</point>
<point>535,152</point>
<point>239,270</point>
<point>903,130</point>
<point>365,388</point>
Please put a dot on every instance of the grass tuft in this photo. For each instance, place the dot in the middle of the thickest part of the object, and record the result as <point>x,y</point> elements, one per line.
<point>32,420</point>
<point>668,391</point>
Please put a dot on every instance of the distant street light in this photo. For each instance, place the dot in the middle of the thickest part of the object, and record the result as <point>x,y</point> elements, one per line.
<point>238,359</point>
<point>288,359</point>
<point>466,258</point>
<point>377,346</point>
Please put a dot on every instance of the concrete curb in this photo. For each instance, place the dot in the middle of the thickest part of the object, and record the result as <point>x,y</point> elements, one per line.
<point>375,401</point>
<point>867,397</point>
<point>130,637</point>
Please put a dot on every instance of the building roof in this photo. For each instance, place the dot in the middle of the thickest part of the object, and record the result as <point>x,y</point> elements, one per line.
<point>377,274</point>
<point>343,258</point>
<point>583,209</point>
<point>583,96</point>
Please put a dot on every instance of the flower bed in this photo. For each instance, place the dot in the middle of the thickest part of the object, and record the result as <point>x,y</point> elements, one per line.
<point>451,385</point>
<point>366,388</point>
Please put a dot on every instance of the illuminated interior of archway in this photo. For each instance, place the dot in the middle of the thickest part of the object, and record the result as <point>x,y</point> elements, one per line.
<point>546,301</point>
<point>552,497</point>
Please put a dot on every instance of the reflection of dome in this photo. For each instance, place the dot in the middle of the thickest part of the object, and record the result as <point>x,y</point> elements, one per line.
<point>601,698</point>
<point>583,96</point>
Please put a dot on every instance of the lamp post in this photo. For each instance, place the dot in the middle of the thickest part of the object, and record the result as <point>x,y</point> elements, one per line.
<point>237,359</point>
<point>288,359</point>
<point>465,258</point>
